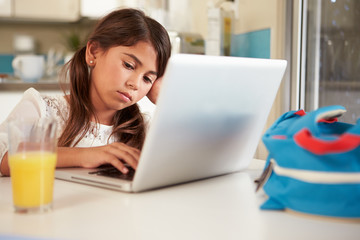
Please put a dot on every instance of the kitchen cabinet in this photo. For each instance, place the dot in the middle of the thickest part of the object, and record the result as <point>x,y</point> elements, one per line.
<point>47,10</point>
<point>97,9</point>
<point>5,8</point>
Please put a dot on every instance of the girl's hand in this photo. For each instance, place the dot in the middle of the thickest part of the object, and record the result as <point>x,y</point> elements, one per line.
<point>154,91</point>
<point>116,154</point>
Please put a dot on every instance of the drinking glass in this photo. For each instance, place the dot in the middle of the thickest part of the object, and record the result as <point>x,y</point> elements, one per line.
<point>32,159</point>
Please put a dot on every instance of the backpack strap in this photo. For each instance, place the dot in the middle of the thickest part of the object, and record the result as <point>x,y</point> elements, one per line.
<point>308,134</point>
<point>310,120</point>
<point>344,143</point>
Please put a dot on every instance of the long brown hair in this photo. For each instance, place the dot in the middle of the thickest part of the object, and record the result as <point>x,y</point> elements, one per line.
<point>124,27</point>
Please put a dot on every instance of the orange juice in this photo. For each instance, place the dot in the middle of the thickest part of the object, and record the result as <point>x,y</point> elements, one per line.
<point>32,177</point>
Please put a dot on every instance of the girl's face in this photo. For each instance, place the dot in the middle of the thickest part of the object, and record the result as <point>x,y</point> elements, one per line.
<point>121,76</point>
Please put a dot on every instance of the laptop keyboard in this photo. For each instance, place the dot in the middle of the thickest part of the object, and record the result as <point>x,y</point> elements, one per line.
<point>114,173</point>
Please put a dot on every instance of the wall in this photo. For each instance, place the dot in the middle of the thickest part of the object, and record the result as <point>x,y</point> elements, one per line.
<point>255,15</point>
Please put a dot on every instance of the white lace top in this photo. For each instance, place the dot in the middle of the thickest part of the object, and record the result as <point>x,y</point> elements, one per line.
<point>33,105</point>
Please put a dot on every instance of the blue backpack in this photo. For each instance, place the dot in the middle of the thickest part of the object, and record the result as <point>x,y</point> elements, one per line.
<point>313,164</point>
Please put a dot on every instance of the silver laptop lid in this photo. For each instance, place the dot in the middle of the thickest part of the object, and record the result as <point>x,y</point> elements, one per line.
<point>210,115</point>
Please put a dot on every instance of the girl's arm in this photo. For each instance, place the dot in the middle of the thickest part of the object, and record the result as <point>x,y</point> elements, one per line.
<point>115,154</point>
<point>32,106</point>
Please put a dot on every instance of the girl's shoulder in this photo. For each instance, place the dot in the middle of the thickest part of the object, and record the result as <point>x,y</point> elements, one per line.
<point>49,105</point>
<point>56,105</point>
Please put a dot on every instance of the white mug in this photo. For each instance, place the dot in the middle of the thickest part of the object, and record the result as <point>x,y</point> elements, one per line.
<point>30,68</point>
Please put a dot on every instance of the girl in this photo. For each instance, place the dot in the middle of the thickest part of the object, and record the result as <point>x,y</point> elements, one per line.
<point>99,121</point>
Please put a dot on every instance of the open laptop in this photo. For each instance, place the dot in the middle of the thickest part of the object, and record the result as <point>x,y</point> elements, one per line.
<point>208,122</point>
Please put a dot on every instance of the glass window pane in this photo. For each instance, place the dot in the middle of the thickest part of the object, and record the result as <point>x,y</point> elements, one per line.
<point>333,56</point>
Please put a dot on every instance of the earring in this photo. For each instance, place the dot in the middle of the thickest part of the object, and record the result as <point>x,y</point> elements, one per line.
<point>91,61</point>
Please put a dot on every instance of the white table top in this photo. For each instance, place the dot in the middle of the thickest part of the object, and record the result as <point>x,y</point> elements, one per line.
<point>224,207</point>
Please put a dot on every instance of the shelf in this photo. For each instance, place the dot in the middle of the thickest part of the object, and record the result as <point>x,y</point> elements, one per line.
<point>18,85</point>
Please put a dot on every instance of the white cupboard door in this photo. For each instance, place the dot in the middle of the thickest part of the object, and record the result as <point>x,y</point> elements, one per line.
<point>97,9</point>
<point>57,10</point>
<point>5,8</point>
